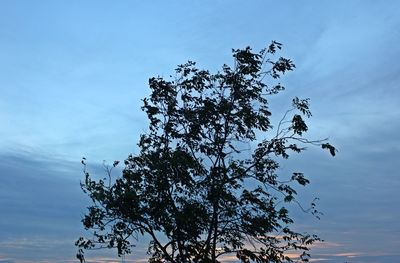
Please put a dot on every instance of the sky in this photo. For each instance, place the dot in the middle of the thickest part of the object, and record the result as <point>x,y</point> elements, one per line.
<point>73,73</point>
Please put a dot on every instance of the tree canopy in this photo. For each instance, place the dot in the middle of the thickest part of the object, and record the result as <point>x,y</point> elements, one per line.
<point>205,182</point>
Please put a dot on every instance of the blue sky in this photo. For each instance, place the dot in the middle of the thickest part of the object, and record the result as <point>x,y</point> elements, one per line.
<point>73,73</point>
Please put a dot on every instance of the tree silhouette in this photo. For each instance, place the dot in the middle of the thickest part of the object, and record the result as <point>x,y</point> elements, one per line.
<point>204,185</point>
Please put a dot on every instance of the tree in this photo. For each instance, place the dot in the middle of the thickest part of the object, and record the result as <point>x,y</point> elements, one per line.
<point>203,184</point>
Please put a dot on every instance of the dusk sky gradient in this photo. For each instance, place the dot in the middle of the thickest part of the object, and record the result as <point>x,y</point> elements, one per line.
<point>73,73</point>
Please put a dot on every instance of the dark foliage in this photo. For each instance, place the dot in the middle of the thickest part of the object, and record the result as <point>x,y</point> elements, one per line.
<point>203,184</point>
